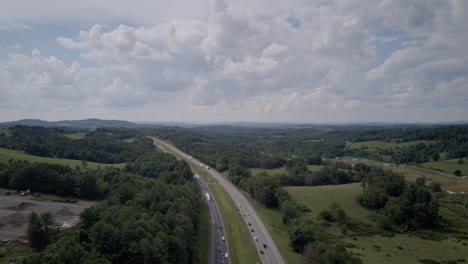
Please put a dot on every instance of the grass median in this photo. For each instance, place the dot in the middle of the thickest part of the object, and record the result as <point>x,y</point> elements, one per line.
<point>241,246</point>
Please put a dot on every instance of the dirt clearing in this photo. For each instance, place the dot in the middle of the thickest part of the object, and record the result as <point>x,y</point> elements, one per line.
<point>14,211</point>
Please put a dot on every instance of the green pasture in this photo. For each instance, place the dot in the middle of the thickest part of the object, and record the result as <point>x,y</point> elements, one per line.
<point>7,154</point>
<point>448,166</point>
<point>318,198</point>
<point>372,145</point>
<point>78,135</point>
<point>407,249</point>
<point>5,131</point>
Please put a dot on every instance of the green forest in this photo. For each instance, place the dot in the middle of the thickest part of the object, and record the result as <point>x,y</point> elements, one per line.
<point>147,212</point>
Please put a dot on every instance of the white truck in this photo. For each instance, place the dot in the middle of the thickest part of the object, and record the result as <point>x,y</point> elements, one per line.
<point>208,196</point>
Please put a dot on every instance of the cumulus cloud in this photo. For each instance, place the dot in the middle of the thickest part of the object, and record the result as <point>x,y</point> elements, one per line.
<point>267,57</point>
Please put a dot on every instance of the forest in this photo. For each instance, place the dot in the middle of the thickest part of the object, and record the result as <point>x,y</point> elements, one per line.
<point>104,145</point>
<point>146,213</point>
<point>271,148</point>
<point>400,206</point>
<point>153,198</point>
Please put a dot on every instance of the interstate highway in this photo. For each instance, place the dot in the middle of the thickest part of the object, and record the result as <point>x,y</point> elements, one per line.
<point>264,243</point>
<point>218,241</point>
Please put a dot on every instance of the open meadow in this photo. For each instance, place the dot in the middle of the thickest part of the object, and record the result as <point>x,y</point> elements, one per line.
<point>448,166</point>
<point>7,154</point>
<point>376,144</point>
<point>400,248</point>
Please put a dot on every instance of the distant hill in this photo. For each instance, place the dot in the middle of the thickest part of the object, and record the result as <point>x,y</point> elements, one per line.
<point>92,123</point>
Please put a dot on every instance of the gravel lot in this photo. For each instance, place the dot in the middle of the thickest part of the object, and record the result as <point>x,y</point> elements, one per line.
<point>14,211</point>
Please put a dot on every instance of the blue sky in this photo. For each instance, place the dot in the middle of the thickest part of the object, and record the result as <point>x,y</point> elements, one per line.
<point>220,60</point>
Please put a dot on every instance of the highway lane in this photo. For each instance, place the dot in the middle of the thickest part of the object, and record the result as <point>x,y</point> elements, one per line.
<point>267,249</point>
<point>218,242</point>
<point>218,245</point>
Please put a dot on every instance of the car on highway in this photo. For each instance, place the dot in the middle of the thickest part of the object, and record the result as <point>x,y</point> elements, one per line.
<point>264,245</point>
<point>250,224</point>
<point>261,252</point>
<point>251,230</point>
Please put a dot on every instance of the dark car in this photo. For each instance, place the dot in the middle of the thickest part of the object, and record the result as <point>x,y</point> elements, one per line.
<point>264,245</point>
<point>252,230</point>
<point>250,224</point>
<point>261,251</point>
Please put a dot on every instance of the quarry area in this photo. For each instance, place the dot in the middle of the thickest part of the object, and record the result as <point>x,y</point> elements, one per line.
<point>15,208</point>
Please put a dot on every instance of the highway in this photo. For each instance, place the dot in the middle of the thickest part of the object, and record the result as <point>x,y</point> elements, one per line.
<point>218,241</point>
<point>218,246</point>
<point>266,248</point>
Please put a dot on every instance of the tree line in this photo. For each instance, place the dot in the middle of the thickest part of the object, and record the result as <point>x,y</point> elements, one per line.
<point>150,219</point>
<point>104,145</point>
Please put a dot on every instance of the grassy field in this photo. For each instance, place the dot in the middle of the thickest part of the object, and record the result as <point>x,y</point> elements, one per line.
<point>407,249</point>
<point>203,234</point>
<point>449,183</point>
<point>6,132</point>
<point>277,171</point>
<point>385,145</point>
<point>7,154</point>
<point>448,166</point>
<point>399,248</point>
<point>282,170</point>
<point>273,221</point>
<point>319,198</point>
<point>241,245</point>
<point>78,135</point>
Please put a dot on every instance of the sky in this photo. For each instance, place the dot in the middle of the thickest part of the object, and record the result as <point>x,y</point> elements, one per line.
<point>315,61</point>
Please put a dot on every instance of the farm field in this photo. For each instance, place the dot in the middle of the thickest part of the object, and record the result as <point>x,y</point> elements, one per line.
<point>6,132</point>
<point>78,135</point>
<point>282,170</point>
<point>448,166</point>
<point>385,144</point>
<point>407,249</point>
<point>401,248</point>
<point>7,154</point>
<point>449,182</point>
<point>318,198</point>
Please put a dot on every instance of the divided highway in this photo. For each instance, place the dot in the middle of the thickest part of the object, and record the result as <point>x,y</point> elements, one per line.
<point>218,243</point>
<point>266,248</point>
<point>218,246</point>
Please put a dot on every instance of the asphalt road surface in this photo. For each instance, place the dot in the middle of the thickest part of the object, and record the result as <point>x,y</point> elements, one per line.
<point>218,241</point>
<point>264,243</point>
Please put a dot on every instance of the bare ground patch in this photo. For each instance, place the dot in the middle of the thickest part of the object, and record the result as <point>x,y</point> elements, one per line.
<point>14,211</point>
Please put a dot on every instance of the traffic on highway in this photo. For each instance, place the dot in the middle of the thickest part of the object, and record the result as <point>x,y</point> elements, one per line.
<point>266,248</point>
<point>218,252</point>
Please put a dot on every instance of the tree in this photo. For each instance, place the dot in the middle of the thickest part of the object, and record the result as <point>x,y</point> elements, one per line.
<point>41,230</point>
<point>36,235</point>
<point>457,173</point>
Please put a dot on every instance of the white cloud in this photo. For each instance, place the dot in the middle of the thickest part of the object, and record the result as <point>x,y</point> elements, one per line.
<point>248,57</point>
